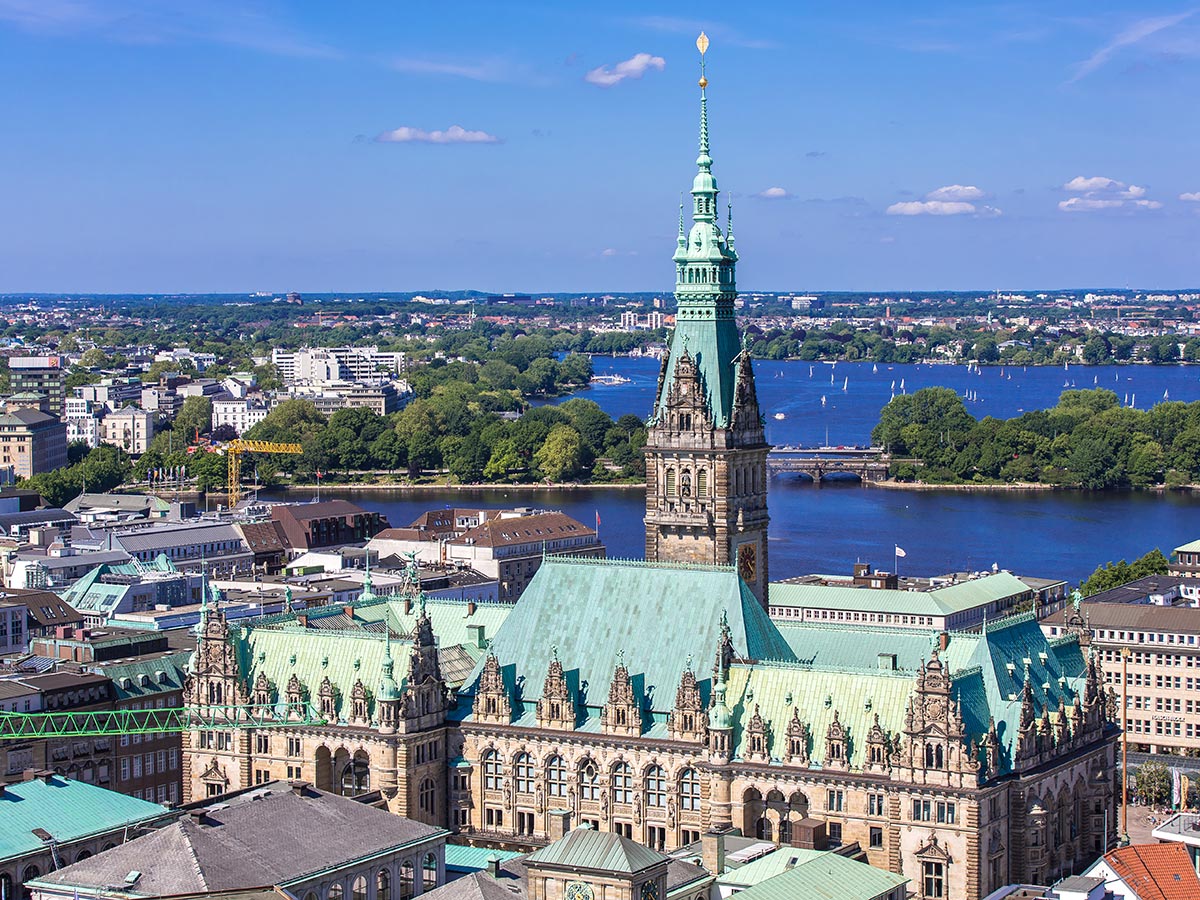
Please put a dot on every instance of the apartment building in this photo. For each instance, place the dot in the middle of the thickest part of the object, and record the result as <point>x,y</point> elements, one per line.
<point>31,441</point>
<point>240,414</point>
<point>365,365</point>
<point>45,375</point>
<point>1157,620</point>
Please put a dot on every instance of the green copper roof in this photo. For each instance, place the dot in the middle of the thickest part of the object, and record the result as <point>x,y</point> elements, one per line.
<point>940,602</point>
<point>591,609</point>
<point>353,650</point>
<point>818,694</point>
<point>600,851</point>
<point>822,876</point>
<point>68,809</point>
<point>148,677</point>
<point>838,646</point>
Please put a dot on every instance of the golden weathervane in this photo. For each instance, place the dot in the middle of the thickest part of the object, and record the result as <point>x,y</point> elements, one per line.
<point>702,46</point>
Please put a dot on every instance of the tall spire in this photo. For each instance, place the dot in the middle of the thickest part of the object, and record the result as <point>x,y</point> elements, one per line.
<point>704,161</point>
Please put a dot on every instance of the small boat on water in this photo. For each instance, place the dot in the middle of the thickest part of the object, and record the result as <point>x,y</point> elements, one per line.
<point>1167,394</point>
<point>845,384</point>
<point>610,379</point>
<point>874,369</point>
<point>780,416</point>
<point>822,399</point>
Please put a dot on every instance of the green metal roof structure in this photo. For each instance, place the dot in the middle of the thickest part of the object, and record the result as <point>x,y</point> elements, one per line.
<point>705,288</point>
<point>815,875</point>
<point>942,601</point>
<point>69,810</point>
<point>593,609</point>
<point>346,648</point>
<point>598,851</point>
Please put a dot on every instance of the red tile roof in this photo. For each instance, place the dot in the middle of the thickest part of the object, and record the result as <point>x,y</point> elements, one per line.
<point>1156,871</point>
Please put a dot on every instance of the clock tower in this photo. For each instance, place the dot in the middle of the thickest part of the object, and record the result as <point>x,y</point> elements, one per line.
<point>706,451</point>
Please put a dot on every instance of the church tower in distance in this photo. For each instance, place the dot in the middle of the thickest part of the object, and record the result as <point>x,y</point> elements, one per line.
<point>706,452</point>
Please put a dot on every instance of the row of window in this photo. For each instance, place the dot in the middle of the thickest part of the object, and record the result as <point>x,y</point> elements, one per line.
<point>405,889</point>
<point>655,782</point>
<point>147,764</point>
<point>840,615</point>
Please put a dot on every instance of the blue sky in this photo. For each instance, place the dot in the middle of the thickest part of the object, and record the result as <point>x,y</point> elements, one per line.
<point>240,145</point>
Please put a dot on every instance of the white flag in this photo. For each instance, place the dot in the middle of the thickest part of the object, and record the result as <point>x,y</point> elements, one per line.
<point>900,551</point>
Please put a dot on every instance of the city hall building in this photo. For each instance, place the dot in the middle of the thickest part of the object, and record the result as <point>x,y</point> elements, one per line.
<point>657,700</point>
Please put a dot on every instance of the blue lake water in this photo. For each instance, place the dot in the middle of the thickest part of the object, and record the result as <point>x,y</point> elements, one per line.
<point>827,529</point>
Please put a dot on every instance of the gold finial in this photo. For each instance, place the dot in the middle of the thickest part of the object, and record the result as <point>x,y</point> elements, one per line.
<point>702,46</point>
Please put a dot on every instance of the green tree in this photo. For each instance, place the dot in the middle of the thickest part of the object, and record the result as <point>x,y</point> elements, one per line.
<point>560,456</point>
<point>195,416</point>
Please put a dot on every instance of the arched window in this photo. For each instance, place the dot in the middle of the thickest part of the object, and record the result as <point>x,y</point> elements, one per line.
<point>689,790</point>
<point>523,770</point>
<point>6,885</point>
<point>358,888</point>
<point>356,777</point>
<point>426,796</point>
<point>762,829</point>
<point>622,783</point>
<point>785,832</point>
<point>656,787</point>
<point>589,782</point>
<point>685,484</point>
<point>407,879</point>
<point>429,873</point>
<point>311,895</point>
<point>383,885</point>
<point>493,771</point>
<point>670,482</point>
<point>335,891</point>
<point>83,854</point>
<point>556,777</point>
<point>702,483</point>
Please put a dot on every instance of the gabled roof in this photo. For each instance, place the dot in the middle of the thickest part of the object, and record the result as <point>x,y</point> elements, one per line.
<point>68,809</point>
<point>1156,871</point>
<point>938,602</point>
<point>598,851</point>
<point>476,886</point>
<point>533,529</point>
<point>271,834</point>
<point>325,509</point>
<point>658,614</point>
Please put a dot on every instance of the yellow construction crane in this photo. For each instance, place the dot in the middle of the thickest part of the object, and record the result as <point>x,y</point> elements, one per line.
<point>234,450</point>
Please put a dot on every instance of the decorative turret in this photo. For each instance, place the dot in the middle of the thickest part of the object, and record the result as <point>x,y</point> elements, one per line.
<point>837,746</point>
<point>622,714</point>
<point>387,698</point>
<point>877,747</point>
<point>425,699</point>
<point>687,720</point>
<point>492,704</point>
<point>797,740</point>
<point>556,709</point>
<point>720,716</point>
<point>757,739</point>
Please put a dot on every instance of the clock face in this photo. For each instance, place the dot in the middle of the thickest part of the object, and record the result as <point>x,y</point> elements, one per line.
<point>650,891</point>
<point>578,890</point>
<point>748,562</point>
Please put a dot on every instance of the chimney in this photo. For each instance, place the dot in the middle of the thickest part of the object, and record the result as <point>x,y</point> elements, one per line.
<point>476,634</point>
<point>943,641</point>
<point>198,816</point>
<point>299,788</point>
<point>408,606</point>
<point>560,824</point>
<point>471,608</point>
<point>712,851</point>
<point>348,609</point>
<point>493,865</point>
<point>302,620</point>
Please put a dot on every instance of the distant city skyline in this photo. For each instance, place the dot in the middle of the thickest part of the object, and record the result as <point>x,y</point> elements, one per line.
<point>157,147</point>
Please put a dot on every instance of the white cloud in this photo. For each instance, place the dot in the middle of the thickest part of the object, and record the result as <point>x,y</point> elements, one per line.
<point>455,134</point>
<point>956,192</point>
<point>774,193</point>
<point>634,67</point>
<point>1100,192</point>
<point>608,251</point>
<point>1086,204</point>
<point>1134,34</point>
<point>930,208</point>
<point>1193,197</point>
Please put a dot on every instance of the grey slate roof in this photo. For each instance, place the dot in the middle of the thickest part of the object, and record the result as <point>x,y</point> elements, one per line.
<point>161,537</point>
<point>477,886</point>
<point>269,835</point>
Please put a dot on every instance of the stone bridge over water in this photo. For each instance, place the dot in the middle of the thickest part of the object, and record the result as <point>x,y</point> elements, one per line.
<point>868,464</point>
